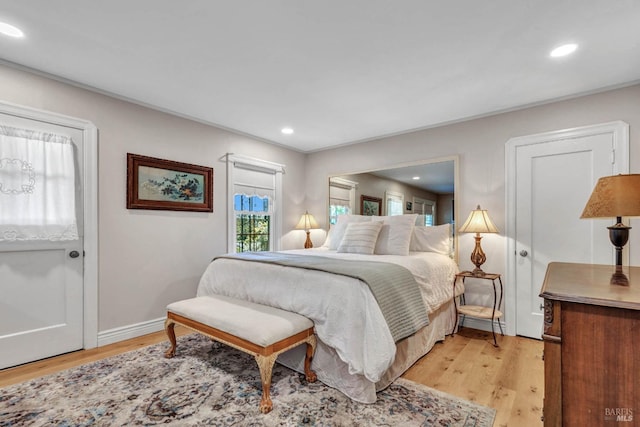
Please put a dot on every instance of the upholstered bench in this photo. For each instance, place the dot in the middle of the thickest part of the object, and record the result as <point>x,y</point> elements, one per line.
<point>262,331</point>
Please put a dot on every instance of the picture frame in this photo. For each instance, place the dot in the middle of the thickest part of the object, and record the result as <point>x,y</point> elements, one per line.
<point>409,206</point>
<point>160,184</point>
<point>370,206</point>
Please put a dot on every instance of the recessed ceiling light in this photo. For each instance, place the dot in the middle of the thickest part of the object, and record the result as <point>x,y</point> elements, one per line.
<point>564,50</point>
<point>10,30</point>
<point>416,178</point>
<point>287,131</point>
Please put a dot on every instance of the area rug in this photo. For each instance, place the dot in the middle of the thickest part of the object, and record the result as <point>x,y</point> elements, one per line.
<point>209,384</point>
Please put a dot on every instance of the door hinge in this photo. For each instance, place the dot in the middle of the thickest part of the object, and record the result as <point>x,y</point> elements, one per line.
<point>613,157</point>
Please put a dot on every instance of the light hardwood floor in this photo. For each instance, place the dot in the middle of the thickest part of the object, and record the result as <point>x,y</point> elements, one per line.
<point>509,378</point>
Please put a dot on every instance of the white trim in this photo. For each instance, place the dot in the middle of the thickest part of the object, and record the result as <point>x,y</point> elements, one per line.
<point>230,214</point>
<point>91,278</point>
<point>256,163</point>
<point>279,213</point>
<point>90,197</point>
<point>341,182</point>
<point>130,331</point>
<point>620,131</point>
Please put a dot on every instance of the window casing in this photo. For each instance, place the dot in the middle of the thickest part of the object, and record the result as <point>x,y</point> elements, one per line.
<point>255,204</point>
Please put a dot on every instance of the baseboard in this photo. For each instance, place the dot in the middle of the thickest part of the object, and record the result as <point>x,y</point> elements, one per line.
<point>130,331</point>
<point>481,324</point>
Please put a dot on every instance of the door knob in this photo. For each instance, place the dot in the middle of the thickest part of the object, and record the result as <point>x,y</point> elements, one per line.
<point>523,253</point>
<point>74,254</point>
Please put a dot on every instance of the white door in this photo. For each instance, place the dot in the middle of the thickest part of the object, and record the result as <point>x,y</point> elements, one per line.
<point>41,282</point>
<point>550,179</point>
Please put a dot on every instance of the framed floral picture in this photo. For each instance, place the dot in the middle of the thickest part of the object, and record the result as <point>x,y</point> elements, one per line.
<point>164,184</point>
<point>370,205</point>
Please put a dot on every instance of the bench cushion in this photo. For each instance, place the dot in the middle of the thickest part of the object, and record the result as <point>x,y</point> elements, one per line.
<point>259,324</point>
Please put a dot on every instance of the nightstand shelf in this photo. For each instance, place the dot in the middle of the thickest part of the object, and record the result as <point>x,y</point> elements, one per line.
<point>478,311</point>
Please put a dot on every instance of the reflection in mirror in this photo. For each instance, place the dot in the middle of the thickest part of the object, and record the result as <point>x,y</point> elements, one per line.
<point>426,188</point>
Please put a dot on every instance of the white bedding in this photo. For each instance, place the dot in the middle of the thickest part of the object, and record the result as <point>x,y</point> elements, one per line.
<point>346,316</point>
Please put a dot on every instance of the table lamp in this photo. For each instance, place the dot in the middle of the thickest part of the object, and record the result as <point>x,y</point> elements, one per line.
<point>307,223</point>
<point>478,222</point>
<point>614,197</point>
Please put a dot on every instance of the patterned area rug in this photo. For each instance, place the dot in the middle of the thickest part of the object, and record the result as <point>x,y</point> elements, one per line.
<point>214,385</point>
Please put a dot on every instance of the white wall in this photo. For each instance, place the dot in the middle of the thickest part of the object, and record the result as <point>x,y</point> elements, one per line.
<point>480,145</point>
<point>148,259</point>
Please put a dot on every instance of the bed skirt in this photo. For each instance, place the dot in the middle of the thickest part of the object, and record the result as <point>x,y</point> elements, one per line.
<point>334,372</point>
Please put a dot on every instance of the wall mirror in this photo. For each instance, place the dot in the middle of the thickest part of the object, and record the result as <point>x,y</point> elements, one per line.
<point>427,188</point>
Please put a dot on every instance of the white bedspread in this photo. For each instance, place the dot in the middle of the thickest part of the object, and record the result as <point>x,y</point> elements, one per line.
<point>345,313</point>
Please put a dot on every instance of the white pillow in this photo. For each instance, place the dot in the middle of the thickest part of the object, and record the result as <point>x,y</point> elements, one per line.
<point>336,231</point>
<point>395,236</point>
<point>432,239</point>
<point>360,237</point>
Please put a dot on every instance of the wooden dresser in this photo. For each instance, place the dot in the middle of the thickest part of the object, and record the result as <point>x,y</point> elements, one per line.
<point>591,346</point>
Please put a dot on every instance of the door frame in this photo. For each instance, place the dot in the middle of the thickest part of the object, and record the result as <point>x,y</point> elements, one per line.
<point>90,205</point>
<point>620,132</point>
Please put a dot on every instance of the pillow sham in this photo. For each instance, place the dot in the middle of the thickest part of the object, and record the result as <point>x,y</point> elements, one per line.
<point>432,239</point>
<point>360,237</point>
<point>336,231</point>
<point>395,235</point>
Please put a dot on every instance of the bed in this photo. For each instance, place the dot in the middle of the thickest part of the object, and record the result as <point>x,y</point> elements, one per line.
<point>357,352</point>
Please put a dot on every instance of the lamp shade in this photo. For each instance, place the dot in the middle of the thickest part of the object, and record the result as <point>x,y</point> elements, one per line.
<point>478,222</point>
<point>307,222</point>
<point>614,196</point>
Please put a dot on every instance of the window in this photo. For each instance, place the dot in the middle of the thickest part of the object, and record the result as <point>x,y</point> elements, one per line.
<point>342,196</point>
<point>426,208</point>
<point>394,203</point>
<point>253,223</point>
<point>255,204</point>
<point>37,186</point>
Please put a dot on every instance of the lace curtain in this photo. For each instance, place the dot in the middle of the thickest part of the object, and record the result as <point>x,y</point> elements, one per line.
<point>37,186</point>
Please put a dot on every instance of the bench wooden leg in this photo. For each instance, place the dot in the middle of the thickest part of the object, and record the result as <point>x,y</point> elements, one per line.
<point>265,363</point>
<point>169,326</point>
<point>311,348</point>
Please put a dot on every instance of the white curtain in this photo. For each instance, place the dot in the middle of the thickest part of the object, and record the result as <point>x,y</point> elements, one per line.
<point>37,186</point>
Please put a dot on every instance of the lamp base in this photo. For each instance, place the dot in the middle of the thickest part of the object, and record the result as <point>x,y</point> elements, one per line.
<point>477,272</point>
<point>478,257</point>
<point>619,235</point>
<point>308,244</point>
<point>619,278</point>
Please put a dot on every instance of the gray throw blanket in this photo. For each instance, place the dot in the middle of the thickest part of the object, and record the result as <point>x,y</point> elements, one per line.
<point>393,286</point>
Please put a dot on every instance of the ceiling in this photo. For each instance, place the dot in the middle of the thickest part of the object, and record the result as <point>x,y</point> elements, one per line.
<point>438,177</point>
<point>336,71</point>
